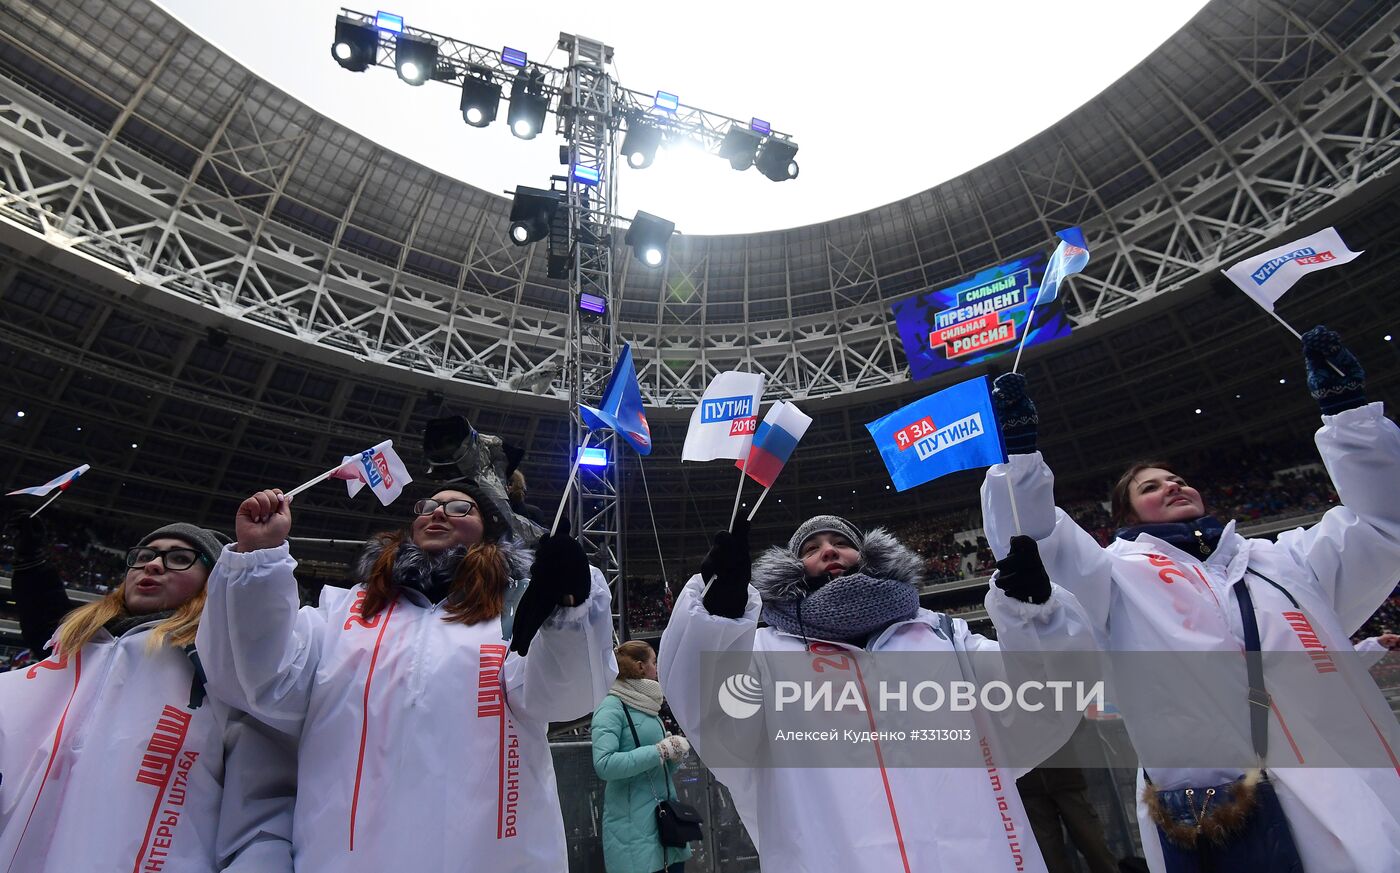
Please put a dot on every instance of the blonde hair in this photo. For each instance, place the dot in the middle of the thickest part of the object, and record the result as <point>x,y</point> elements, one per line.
<point>632,657</point>
<point>83,623</point>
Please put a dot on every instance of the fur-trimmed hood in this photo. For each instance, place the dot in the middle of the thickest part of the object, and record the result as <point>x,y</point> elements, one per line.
<point>778,573</point>
<point>414,560</point>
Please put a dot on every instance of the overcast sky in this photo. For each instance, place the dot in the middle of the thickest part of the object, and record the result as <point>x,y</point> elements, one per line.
<point>884,97</point>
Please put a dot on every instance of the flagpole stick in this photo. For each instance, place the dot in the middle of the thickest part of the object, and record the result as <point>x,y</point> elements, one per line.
<point>1011,493</point>
<point>1288,327</point>
<point>734,513</point>
<point>46,503</point>
<point>754,511</point>
<point>569,485</point>
<point>317,481</point>
<point>1030,314</point>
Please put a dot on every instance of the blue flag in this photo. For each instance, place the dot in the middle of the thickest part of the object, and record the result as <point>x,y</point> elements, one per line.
<point>621,407</point>
<point>952,430</point>
<point>1070,256</point>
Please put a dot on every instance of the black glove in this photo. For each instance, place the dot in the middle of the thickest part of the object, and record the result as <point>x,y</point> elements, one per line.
<point>727,563</point>
<point>29,535</point>
<point>1334,392</point>
<point>560,572</point>
<point>1016,415</point>
<point>1021,574</point>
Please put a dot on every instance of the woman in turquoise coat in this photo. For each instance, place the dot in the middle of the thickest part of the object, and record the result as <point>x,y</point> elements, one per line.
<point>637,771</point>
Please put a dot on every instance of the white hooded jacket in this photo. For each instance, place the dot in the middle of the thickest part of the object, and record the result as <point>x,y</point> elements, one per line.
<point>113,759</point>
<point>423,742</point>
<point>880,819</point>
<point>1148,596</point>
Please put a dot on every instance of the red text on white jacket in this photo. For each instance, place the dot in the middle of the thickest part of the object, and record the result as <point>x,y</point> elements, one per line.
<point>1322,661</point>
<point>166,766</point>
<point>1003,806</point>
<point>357,613</point>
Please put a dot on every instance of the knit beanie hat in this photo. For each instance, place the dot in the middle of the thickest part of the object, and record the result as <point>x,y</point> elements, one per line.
<point>209,543</point>
<point>825,524</point>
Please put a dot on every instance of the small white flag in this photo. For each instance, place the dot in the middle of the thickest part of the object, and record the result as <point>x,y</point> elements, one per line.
<point>1266,277</point>
<point>380,468</point>
<point>723,425</point>
<point>59,482</point>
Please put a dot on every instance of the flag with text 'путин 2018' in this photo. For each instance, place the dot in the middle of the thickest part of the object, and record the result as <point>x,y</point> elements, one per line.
<point>1266,277</point>
<point>955,429</point>
<point>723,425</point>
<point>380,468</point>
<point>777,435</point>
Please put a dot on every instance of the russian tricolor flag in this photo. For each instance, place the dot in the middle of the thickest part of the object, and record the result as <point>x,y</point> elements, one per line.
<point>59,482</point>
<point>777,435</point>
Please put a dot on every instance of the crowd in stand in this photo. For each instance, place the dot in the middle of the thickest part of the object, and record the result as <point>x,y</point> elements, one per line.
<point>88,554</point>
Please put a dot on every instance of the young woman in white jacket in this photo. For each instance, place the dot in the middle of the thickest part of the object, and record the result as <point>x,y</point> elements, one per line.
<point>111,755</point>
<point>1176,580</point>
<point>845,597</point>
<point>423,739</point>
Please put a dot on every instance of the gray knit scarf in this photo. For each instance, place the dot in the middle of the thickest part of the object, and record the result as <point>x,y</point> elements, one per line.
<point>848,609</point>
<point>643,694</point>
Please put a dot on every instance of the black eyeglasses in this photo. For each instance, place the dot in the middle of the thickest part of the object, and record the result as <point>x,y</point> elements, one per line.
<point>173,559</point>
<point>452,508</point>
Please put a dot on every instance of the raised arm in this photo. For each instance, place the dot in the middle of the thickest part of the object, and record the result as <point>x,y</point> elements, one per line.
<point>1353,553</point>
<point>1018,498</point>
<point>561,662</point>
<point>40,598</point>
<point>259,649</point>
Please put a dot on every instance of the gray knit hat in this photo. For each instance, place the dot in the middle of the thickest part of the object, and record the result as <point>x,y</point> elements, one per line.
<point>825,524</point>
<point>209,543</point>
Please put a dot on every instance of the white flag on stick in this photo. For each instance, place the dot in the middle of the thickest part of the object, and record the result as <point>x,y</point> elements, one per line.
<point>380,468</point>
<point>1268,276</point>
<point>723,425</point>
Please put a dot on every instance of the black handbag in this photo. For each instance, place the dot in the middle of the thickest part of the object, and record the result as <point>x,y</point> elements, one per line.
<point>1238,826</point>
<point>677,823</point>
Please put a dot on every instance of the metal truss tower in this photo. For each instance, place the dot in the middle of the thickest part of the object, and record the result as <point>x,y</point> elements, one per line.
<point>589,123</point>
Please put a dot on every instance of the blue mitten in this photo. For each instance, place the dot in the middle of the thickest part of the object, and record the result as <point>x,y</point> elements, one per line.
<point>1325,356</point>
<point>1016,415</point>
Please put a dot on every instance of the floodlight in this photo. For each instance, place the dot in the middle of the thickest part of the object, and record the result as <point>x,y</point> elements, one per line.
<point>649,236</point>
<point>666,102</point>
<point>759,126</point>
<point>415,58</point>
<point>531,214</point>
<point>593,456</point>
<point>639,145</point>
<point>775,159</point>
<point>739,147</point>
<point>528,105</point>
<point>514,57</point>
<point>355,44</point>
<point>586,175</point>
<point>480,98</point>
<point>592,303</point>
<point>389,21</point>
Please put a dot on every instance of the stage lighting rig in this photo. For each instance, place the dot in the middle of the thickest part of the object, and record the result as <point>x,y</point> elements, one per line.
<point>650,237</point>
<point>481,97</point>
<point>775,159</point>
<point>415,58</point>
<point>532,214</point>
<point>528,104</point>
<point>640,144</point>
<point>739,146</point>
<point>356,44</point>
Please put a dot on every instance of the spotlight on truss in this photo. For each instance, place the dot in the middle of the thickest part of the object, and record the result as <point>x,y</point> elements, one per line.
<point>355,44</point>
<point>775,159</point>
<point>650,237</point>
<point>415,58</point>
<point>532,213</point>
<point>640,143</point>
<point>739,147</point>
<point>481,96</point>
<point>528,104</point>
